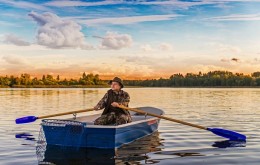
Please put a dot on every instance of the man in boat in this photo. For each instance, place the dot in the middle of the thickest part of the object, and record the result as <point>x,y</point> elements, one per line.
<point>112,114</point>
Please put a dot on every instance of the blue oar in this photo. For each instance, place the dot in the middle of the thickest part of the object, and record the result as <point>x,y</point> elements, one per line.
<point>29,119</point>
<point>231,135</point>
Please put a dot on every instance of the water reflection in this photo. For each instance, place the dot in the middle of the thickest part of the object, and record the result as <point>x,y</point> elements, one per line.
<point>181,153</point>
<point>25,135</point>
<point>235,109</point>
<point>131,153</point>
<point>204,151</point>
<point>229,143</point>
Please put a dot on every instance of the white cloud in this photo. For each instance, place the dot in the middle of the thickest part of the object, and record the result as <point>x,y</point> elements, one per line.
<point>206,68</point>
<point>14,60</point>
<point>24,5</point>
<point>54,32</point>
<point>5,23</point>
<point>225,60</point>
<point>113,40</point>
<point>127,20</point>
<point>236,17</point>
<point>159,47</point>
<point>236,60</point>
<point>148,60</point>
<point>77,3</point>
<point>146,48</point>
<point>165,46</point>
<point>229,48</point>
<point>66,3</point>
<point>175,3</point>
<point>225,47</point>
<point>179,4</point>
<point>12,39</point>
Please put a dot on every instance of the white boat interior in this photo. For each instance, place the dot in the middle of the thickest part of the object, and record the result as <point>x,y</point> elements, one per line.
<point>89,120</point>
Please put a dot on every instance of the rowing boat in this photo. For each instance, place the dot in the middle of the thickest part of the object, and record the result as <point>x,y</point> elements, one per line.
<point>81,131</point>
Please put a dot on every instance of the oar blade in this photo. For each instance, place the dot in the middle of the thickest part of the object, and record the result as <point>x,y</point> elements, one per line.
<point>27,119</point>
<point>231,135</point>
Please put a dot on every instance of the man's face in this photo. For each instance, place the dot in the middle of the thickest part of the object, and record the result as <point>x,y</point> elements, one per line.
<point>115,86</point>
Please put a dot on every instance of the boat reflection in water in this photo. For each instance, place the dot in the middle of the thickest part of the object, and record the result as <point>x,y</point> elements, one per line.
<point>131,153</point>
<point>141,151</point>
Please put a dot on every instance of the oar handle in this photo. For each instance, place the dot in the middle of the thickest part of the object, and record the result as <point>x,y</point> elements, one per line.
<point>65,113</point>
<point>162,117</point>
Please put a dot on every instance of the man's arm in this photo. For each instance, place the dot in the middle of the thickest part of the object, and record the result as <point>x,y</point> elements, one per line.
<point>125,99</point>
<point>102,103</point>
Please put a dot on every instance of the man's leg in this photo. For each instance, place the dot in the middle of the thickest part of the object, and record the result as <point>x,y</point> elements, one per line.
<point>105,119</point>
<point>123,119</point>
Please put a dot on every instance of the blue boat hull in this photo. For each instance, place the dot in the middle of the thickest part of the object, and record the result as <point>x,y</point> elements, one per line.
<point>80,134</point>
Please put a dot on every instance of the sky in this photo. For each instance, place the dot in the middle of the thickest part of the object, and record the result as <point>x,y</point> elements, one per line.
<point>132,39</point>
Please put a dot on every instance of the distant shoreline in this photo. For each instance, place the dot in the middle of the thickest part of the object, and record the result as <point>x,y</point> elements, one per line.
<point>102,86</point>
<point>64,86</point>
<point>212,79</point>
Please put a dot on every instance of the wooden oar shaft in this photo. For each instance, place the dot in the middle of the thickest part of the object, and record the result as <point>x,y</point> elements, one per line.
<point>163,117</point>
<point>66,113</point>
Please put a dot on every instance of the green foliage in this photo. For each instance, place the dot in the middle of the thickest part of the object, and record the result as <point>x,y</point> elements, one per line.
<point>25,80</point>
<point>210,79</point>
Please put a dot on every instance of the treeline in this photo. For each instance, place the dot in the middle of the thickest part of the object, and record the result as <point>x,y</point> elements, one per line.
<point>210,79</point>
<point>25,80</point>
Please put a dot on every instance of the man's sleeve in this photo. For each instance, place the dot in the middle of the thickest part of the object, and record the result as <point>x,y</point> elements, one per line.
<point>125,100</point>
<point>102,103</point>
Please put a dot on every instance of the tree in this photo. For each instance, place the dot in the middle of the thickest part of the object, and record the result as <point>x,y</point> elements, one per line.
<point>25,79</point>
<point>256,74</point>
<point>58,78</point>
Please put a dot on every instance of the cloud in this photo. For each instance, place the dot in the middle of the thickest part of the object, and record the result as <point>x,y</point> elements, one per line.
<point>54,32</point>
<point>146,48</point>
<point>140,60</point>
<point>230,60</point>
<point>5,23</point>
<point>127,20</point>
<point>66,3</point>
<point>175,3</point>
<point>206,68</point>
<point>165,46</point>
<point>166,66</point>
<point>148,60</point>
<point>113,40</point>
<point>159,47</point>
<point>225,48</point>
<point>229,48</point>
<point>224,60</point>
<point>14,60</point>
<point>236,17</point>
<point>235,59</point>
<point>24,5</point>
<point>12,39</point>
<point>77,3</point>
<point>179,4</point>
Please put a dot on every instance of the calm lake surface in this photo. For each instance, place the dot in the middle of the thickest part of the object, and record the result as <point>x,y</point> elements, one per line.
<point>234,109</point>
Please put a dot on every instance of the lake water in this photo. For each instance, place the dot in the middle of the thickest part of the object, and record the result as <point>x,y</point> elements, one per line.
<point>233,109</point>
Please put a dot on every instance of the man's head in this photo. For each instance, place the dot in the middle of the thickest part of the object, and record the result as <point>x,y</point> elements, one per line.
<point>116,84</point>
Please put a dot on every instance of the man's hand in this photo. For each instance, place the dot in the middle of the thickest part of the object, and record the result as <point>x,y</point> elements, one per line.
<point>115,104</point>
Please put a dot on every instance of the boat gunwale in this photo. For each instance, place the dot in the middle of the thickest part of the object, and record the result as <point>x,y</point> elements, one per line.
<point>110,126</point>
<point>86,125</point>
<point>120,126</point>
